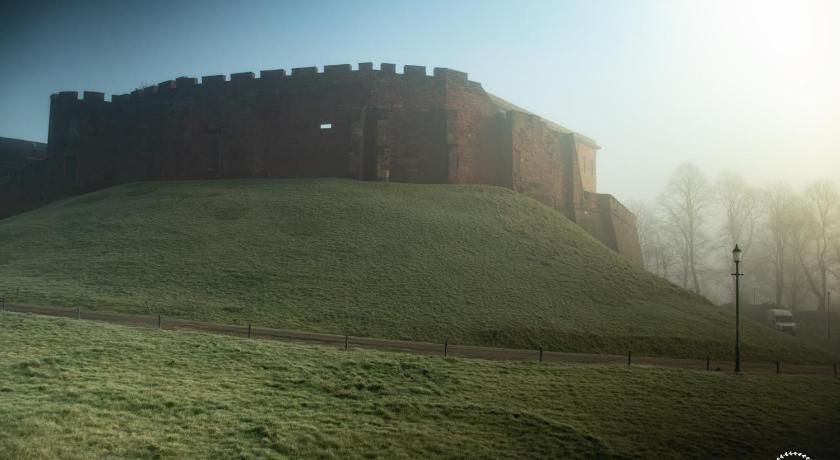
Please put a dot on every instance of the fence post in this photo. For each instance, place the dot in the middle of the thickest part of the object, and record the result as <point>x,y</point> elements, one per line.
<point>707,362</point>
<point>2,304</point>
<point>249,329</point>
<point>777,366</point>
<point>160,322</point>
<point>346,340</point>
<point>541,351</point>
<point>629,354</point>
<point>78,312</point>
<point>445,346</point>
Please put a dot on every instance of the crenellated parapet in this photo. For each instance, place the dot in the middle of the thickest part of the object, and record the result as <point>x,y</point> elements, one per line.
<point>418,125</point>
<point>275,76</point>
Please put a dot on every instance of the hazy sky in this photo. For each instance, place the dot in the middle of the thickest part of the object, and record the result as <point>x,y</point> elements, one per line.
<point>741,85</point>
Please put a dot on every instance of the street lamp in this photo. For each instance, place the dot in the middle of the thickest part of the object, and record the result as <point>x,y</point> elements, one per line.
<point>736,257</point>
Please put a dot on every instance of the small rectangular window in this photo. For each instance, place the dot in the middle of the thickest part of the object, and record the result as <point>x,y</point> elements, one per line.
<point>326,125</point>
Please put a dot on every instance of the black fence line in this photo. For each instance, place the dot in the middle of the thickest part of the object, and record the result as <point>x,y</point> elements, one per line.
<point>279,334</point>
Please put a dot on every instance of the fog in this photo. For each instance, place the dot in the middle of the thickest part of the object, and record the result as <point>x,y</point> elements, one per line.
<point>149,308</point>
<point>748,86</point>
<point>789,238</point>
<point>744,90</point>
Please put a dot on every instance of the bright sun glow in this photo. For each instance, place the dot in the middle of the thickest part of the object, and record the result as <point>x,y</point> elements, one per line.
<point>778,53</point>
<point>768,71</point>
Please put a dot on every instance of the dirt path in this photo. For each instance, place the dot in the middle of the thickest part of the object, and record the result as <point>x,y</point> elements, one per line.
<point>419,348</point>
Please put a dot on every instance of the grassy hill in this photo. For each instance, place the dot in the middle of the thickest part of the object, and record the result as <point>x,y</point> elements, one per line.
<point>77,389</point>
<point>479,265</point>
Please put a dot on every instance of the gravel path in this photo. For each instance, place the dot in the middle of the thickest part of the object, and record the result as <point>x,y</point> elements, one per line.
<point>419,348</point>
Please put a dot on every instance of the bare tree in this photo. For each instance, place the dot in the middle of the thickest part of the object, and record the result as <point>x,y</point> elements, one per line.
<point>658,253</point>
<point>822,204</point>
<point>736,214</point>
<point>798,225</point>
<point>685,203</point>
<point>836,246</point>
<point>740,211</point>
<point>778,200</point>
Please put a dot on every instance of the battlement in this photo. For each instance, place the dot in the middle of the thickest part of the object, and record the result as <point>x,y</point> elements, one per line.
<point>363,70</point>
<point>407,124</point>
<point>66,96</point>
<point>88,97</point>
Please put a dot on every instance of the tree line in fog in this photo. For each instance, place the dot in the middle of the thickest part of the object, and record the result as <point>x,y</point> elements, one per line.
<point>790,238</point>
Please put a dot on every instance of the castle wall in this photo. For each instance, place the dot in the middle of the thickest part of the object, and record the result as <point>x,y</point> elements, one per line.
<point>593,214</point>
<point>306,124</point>
<point>625,231</point>
<point>605,218</point>
<point>22,174</point>
<point>586,164</point>
<point>411,131</point>
<point>558,168</point>
<point>412,146</point>
<point>478,133</point>
<point>245,127</point>
<point>368,124</point>
<point>540,160</point>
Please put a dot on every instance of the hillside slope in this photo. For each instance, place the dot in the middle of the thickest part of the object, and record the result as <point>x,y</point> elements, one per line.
<point>479,265</point>
<point>78,390</point>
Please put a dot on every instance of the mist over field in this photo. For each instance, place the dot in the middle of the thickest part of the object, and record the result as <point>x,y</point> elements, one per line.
<point>746,86</point>
<point>790,237</point>
<point>440,229</point>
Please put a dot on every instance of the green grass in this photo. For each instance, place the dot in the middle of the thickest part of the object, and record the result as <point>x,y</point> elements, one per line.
<point>79,389</point>
<point>479,265</point>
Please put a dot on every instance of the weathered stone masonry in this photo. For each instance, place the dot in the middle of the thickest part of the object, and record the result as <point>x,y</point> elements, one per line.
<point>367,124</point>
<point>23,168</point>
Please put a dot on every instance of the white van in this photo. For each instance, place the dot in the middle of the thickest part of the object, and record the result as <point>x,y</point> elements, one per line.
<point>781,320</point>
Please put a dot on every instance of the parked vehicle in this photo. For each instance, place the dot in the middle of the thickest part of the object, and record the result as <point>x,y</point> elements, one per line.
<point>781,320</point>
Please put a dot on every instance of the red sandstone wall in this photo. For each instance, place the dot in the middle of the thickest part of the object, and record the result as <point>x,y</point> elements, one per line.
<point>256,127</point>
<point>605,218</point>
<point>540,160</point>
<point>411,130</point>
<point>624,228</point>
<point>246,127</point>
<point>22,174</point>
<point>408,127</point>
<point>586,164</point>
<point>589,214</point>
<point>414,146</point>
<point>557,169</point>
<point>478,133</point>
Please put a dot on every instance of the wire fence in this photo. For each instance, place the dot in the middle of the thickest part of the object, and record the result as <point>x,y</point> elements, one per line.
<point>445,348</point>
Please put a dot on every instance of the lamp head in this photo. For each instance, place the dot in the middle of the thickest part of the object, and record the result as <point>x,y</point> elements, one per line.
<point>736,254</point>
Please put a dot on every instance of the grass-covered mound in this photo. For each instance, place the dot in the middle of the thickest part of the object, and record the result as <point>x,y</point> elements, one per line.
<point>77,389</point>
<point>479,265</point>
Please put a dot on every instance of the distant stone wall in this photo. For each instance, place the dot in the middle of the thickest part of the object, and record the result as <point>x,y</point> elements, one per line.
<point>542,160</point>
<point>477,136</point>
<point>22,175</point>
<point>610,222</point>
<point>367,124</point>
<point>586,164</point>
